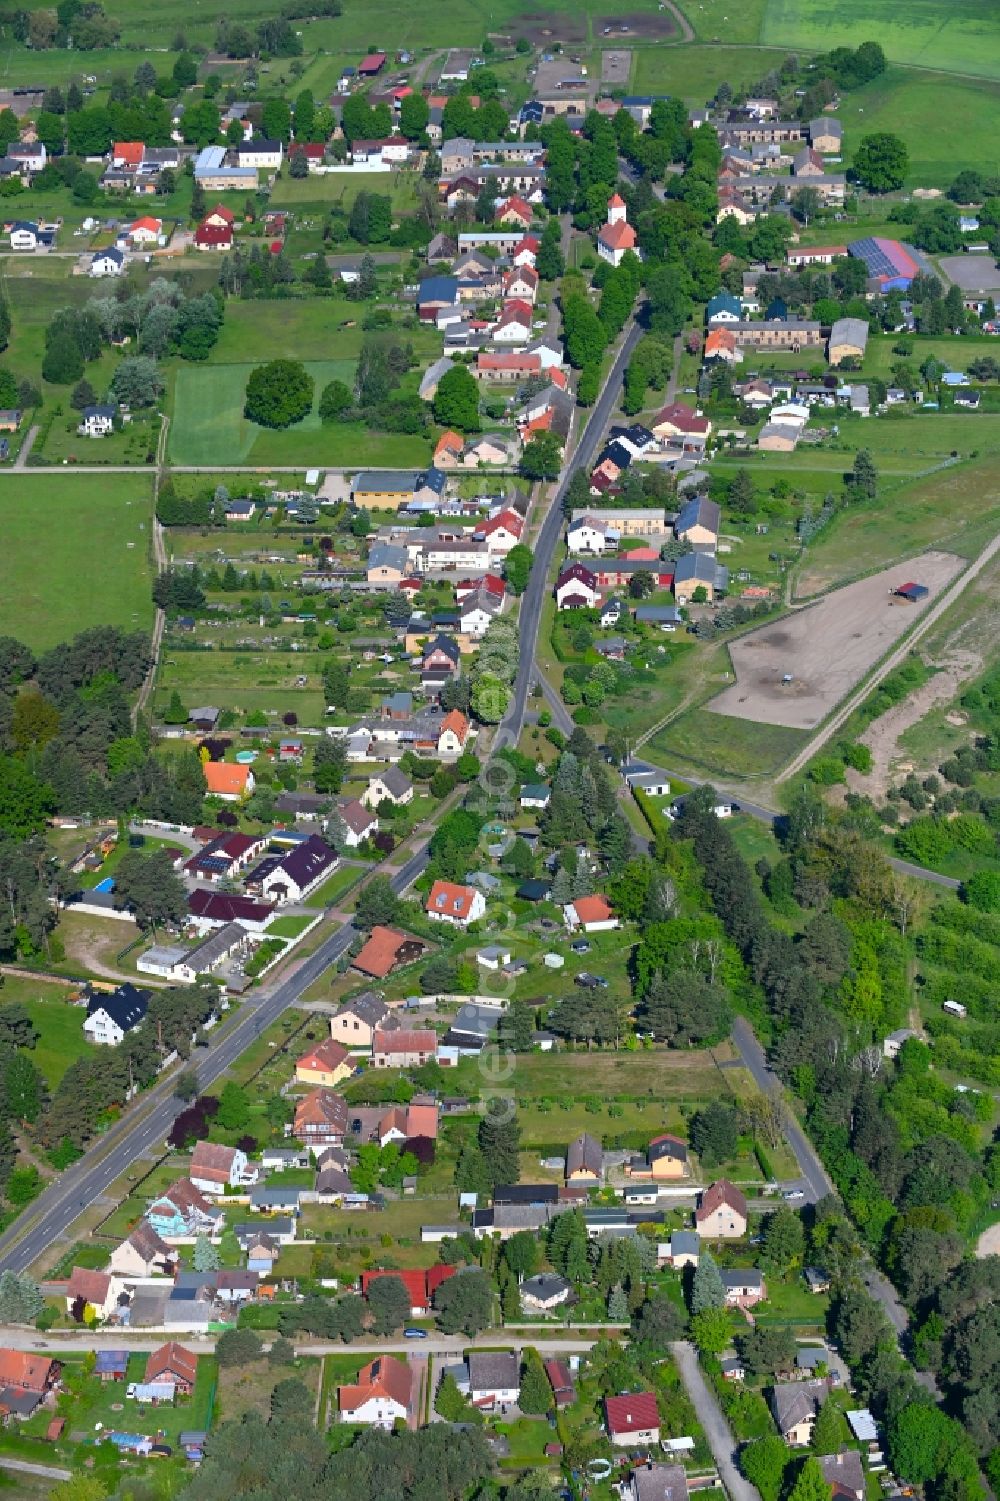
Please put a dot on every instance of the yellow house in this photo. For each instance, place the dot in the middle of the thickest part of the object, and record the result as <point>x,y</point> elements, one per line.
<point>668,1158</point>
<point>325,1066</point>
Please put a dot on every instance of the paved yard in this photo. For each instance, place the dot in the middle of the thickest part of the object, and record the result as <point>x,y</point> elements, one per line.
<point>973,273</point>
<point>825,649</point>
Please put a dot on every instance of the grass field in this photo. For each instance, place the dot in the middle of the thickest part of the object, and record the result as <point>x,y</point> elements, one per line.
<point>964,113</point>
<point>718,19</point>
<point>695,72</point>
<point>956,508</point>
<point>962,37</point>
<point>60,1024</point>
<point>75,554</point>
<point>713,745</point>
<point>246,681</point>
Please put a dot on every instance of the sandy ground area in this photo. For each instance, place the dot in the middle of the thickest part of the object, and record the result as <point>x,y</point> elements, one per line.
<point>883,734</point>
<point>797,670</point>
<point>988,1243</point>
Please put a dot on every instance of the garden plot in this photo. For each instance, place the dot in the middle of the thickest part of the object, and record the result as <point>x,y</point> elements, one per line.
<point>797,670</point>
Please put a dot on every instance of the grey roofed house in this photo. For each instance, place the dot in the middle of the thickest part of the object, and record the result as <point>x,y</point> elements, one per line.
<point>301,804</point>
<point>666,1146</point>
<point>126,1006</point>
<point>264,1198</point>
<point>395,781</point>
<point>442,248</point>
<point>387,555</point>
<point>547,1288</point>
<point>484,881</point>
<point>685,1243</point>
<point>207,714</point>
<point>860,399</point>
<point>825,125</point>
<point>494,1370</point>
<point>849,331</point>
<point>702,568</point>
<point>245,1232</point>
<point>584,1155</point>
<point>657,1482</point>
<point>400,702</point>
<point>386,481</point>
<point>333,1180</point>
<point>808,1357</point>
<point>700,511</point>
<point>513,1217</point>
<point>216,947</point>
<point>844,1473</point>
<point>794,1402</point>
<point>742,1276</point>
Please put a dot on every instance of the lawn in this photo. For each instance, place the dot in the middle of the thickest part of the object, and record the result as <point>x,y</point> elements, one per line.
<point>76,554</point>
<point>704,743</point>
<point>964,112</point>
<point>956,508</point>
<point>248,1388</point>
<point>58,1021</point>
<point>963,37</point>
<point>715,19</point>
<point>695,72</point>
<point>209,427</point>
<point>329,894</point>
<point>245,681</point>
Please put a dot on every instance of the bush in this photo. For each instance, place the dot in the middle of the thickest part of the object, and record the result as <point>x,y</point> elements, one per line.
<point>827,771</point>
<point>982,891</point>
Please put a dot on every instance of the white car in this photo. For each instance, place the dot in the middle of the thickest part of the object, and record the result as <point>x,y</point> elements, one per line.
<point>130,1391</point>
<point>791,1194</point>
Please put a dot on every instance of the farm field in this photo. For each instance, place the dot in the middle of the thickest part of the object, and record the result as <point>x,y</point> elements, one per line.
<point>958,507</point>
<point>825,649</point>
<point>964,112</point>
<point>713,20</point>
<point>963,37</point>
<point>96,531</point>
<point>705,743</point>
<point>694,72</point>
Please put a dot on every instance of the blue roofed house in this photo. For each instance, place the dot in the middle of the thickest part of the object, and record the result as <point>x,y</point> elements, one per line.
<point>724,307</point>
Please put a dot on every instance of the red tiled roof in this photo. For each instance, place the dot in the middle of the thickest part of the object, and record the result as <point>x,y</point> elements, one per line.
<point>172,1360</point>
<point>419,1040</point>
<point>385,1376</point>
<point>526,362</point>
<point>89,1285</point>
<point>450,898</point>
<point>593,909</point>
<point>378,955</point>
<point>620,236</point>
<point>633,1413</point>
<point>455,721</point>
<point>19,1368</point>
<point>328,1055</point>
<point>213,1161</point>
<point>129,152</point>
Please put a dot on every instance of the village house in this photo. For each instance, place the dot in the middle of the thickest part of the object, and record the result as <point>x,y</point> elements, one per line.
<point>403,1048</point>
<point>360,823</point>
<point>666,1160</point>
<point>111,1015</point>
<point>143,1254</point>
<point>97,421</point>
<point>385,949</point>
<point>97,1290</point>
<point>109,262</point>
<point>182,1212</point>
<point>545,1292</point>
<point>25,1379</point>
<point>228,781</point>
<point>698,571</point>
<point>827,135</point>
<point>584,1159</point>
<point>494,1378</point>
<point>633,1421</point>
<point>381,1395</point>
<point>844,1473</point>
<point>454,904</point>
<point>744,1287</point>
<point>698,522</point>
<point>320,1118</point>
<point>681,427</point>
<point>577,588</point>
<point>327,1065</point>
<point>293,876</point>
<point>656,1482</point>
<point>389,786</point>
<point>848,340</point>
<point>214,1168</point>
<point>795,1405</point>
<point>454,736</point>
<point>171,1362</point>
<point>421,1285</point>
<point>355,1023</point>
<point>721,1212</point>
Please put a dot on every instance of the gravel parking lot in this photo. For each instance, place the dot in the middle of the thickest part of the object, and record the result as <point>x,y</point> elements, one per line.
<point>973,273</point>
<point>616,67</point>
<point>826,648</point>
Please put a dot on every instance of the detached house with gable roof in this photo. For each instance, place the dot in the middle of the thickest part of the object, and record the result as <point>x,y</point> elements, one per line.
<point>381,1395</point>
<point>458,905</point>
<point>355,1024</point>
<point>593,914</point>
<point>111,1016</point>
<point>633,1421</point>
<point>326,1064</point>
<point>182,1212</point>
<point>214,1168</point>
<point>722,1212</point>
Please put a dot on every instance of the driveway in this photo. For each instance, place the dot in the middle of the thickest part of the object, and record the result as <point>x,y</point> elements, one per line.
<point>717,1430</point>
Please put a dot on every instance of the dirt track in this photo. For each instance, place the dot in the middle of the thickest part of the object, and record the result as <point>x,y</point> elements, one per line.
<point>826,648</point>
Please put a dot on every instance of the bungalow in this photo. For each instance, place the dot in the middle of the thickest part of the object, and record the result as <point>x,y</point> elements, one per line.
<point>779,437</point>
<point>214,1168</point>
<point>386,948</point>
<point>182,1212</point>
<point>111,1016</point>
<point>656,1482</point>
<point>260,154</point>
<point>262,1252</point>
<point>795,1405</point>
<point>145,231</point>
<point>403,1048</point>
<point>326,1065</point>
<point>591,913</point>
<point>454,904</point>
<point>389,786</point>
<point>814,255</point>
<point>633,1421</point>
<point>360,823</point>
<point>561,1382</point>
<point>653,783</point>
<point>171,1362</point>
<point>544,1292</point>
<point>381,1396</point>
<point>684,1249</point>
<point>111,1365</point>
<point>97,421</point>
<point>320,1118</point>
<point>381,489</point>
<point>355,1023</point>
<point>228,781</point>
<point>698,522</point>
<point>744,1287</point>
<point>721,1212</point>
<point>576,588</point>
<point>698,570</point>
<point>494,1378</point>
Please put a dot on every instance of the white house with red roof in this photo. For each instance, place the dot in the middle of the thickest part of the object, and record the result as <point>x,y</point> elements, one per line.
<point>594,914</point>
<point>516,211</point>
<point>633,1421</point>
<point>145,231</point>
<point>514,324</point>
<point>521,282</point>
<point>459,905</point>
<point>380,1396</point>
<point>453,735</point>
<point>500,533</point>
<point>577,588</point>
<point>617,235</point>
<point>526,252</point>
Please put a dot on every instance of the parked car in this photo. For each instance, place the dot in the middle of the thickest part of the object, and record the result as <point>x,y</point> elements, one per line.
<point>791,1194</point>
<point>415,1333</point>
